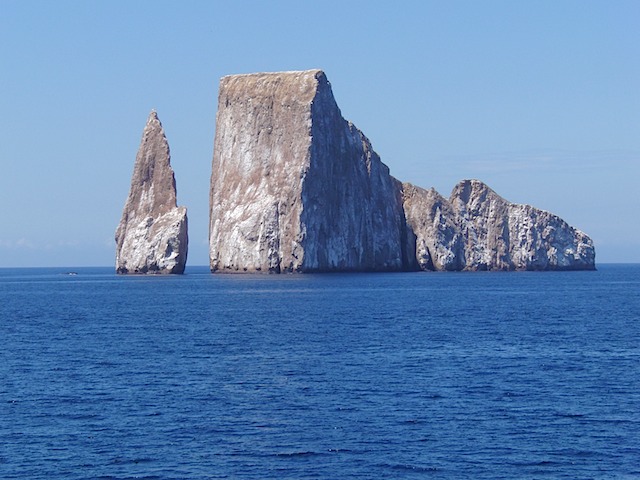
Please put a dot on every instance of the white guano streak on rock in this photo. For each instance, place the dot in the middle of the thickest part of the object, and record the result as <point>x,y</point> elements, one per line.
<point>483,231</point>
<point>260,157</point>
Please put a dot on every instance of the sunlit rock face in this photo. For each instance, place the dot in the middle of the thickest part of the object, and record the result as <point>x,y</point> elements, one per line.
<point>500,235</point>
<point>476,229</point>
<point>296,187</point>
<point>152,234</point>
<point>439,243</point>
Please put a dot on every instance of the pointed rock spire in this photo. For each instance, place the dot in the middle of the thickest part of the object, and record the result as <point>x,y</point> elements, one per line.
<point>152,234</point>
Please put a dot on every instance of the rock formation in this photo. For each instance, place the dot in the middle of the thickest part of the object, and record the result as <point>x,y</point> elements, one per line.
<point>297,188</point>
<point>439,244</point>
<point>476,229</point>
<point>152,235</point>
<point>294,186</point>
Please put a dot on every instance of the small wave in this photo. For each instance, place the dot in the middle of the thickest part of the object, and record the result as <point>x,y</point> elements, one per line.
<point>570,415</point>
<point>303,453</point>
<point>410,468</point>
<point>79,416</point>
<point>539,463</point>
<point>339,450</point>
<point>411,421</point>
<point>146,477</point>
<point>435,396</point>
<point>514,394</point>
<point>131,461</point>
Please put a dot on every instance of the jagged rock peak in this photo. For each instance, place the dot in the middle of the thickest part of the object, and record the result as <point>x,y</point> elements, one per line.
<point>477,229</point>
<point>152,234</point>
<point>501,235</point>
<point>294,186</point>
<point>438,237</point>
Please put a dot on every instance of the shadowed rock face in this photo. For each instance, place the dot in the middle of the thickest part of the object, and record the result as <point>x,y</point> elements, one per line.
<point>297,188</point>
<point>152,234</point>
<point>294,186</point>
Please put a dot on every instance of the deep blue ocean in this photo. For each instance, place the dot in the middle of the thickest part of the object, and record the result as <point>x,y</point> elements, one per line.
<point>370,376</point>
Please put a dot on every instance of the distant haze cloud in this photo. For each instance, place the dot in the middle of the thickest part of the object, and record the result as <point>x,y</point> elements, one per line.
<point>21,243</point>
<point>509,162</point>
<point>28,244</point>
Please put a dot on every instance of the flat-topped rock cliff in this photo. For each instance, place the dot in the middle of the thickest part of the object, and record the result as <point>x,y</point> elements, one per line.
<point>294,186</point>
<point>297,188</point>
<point>152,234</point>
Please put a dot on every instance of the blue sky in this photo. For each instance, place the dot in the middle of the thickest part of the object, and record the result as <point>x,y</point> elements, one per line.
<point>539,99</point>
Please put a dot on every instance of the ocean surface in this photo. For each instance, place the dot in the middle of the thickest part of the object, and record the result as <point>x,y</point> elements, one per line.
<point>367,376</point>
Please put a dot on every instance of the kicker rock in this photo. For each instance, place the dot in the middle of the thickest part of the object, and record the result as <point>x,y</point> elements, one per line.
<point>152,235</point>
<point>500,235</point>
<point>296,187</point>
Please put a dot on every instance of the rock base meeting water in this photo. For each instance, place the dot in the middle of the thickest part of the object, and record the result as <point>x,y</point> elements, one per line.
<point>297,188</point>
<point>152,235</point>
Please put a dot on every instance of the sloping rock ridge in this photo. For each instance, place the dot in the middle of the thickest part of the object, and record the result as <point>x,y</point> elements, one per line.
<point>297,188</point>
<point>152,234</point>
<point>476,229</point>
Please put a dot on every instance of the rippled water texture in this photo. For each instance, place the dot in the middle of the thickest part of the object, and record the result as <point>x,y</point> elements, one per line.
<point>411,375</point>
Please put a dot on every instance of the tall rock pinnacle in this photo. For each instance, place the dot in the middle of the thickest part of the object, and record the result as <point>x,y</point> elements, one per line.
<point>152,235</point>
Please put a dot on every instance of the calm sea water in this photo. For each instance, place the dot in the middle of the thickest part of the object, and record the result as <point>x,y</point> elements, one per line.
<point>416,375</point>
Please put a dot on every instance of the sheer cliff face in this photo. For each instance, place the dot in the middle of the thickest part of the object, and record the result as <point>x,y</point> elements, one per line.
<point>152,234</point>
<point>476,229</point>
<point>295,187</point>
<point>352,215</point>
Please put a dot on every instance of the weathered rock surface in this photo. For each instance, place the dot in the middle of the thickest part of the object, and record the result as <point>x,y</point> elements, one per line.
<point>439,244</point>
<point>297,188</point>
<point>294,186</point>
<point>505,236</point>
<point>476,229</point>
<point>152,235</point>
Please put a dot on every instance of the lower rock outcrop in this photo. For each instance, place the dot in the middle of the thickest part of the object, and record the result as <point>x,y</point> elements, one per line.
<point>476,229</point>
<point>152,234</point>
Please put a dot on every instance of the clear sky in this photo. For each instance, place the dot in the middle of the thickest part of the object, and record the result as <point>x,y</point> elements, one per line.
<point>539,99</point>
